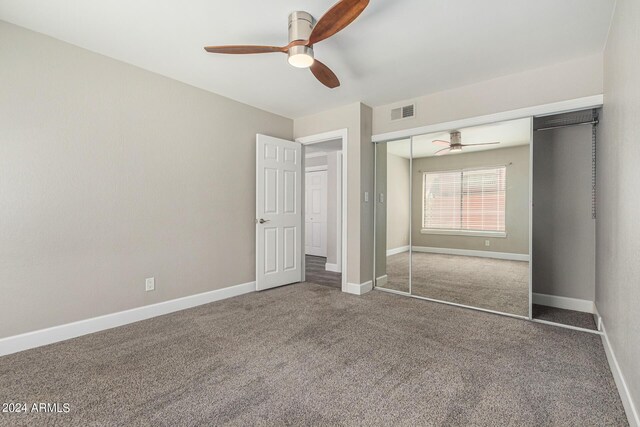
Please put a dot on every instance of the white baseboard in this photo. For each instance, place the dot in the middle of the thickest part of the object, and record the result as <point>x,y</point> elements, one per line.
<point>597,317</point>
<point>398,250</point>
<point>382,280</point>
<point>469,252</point>
<point>67,331</point>
<point>621,384</point>
<point>332,267</point>
<point>575,304</point>
<point>359,289</point>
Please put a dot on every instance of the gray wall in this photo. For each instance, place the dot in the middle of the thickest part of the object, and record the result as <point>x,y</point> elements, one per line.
<point>517,199</point>
<point>618,223</point>
<point>315,161</point>
<point>397,201</point>
<point>564,235</point>
<point>110,174</point>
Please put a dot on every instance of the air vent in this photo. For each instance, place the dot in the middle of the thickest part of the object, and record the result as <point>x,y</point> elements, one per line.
<point>406,112</point>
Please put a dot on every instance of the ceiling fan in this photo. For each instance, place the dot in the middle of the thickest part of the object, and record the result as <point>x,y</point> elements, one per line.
<point>304,32</point>
<point>455,144</point>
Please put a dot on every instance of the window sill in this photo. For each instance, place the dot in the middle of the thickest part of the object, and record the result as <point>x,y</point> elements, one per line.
<point>499,234</point>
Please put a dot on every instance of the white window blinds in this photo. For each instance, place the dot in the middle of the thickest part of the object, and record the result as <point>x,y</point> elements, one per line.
<point>442,192</point>
<point>471,200</point>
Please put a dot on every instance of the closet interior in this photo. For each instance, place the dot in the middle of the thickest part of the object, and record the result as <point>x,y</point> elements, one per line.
<point>564,212</point>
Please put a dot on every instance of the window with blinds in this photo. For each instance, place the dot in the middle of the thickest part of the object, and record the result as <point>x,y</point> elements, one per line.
<point>470,200</point>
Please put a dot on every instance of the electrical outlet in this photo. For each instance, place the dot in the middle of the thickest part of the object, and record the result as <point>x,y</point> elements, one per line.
<point>487,243</point>
<point>150,284</point>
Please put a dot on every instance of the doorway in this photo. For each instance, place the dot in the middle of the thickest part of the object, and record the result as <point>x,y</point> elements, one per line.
<point>324,196</point>
<point>316,207</point>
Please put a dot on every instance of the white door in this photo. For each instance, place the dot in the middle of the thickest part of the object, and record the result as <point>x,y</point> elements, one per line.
<point>315,223</point>
<point>278,212</point>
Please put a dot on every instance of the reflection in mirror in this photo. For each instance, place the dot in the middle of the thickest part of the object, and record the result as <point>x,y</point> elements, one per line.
<point>470,216</point>
<point>392,215</point>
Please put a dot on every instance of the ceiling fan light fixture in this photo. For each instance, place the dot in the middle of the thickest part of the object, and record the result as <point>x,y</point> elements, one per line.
<point>301,56</point>
<point>304,32</point>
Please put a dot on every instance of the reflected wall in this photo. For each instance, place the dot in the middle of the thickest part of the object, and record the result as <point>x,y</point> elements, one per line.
<point>393,235</point>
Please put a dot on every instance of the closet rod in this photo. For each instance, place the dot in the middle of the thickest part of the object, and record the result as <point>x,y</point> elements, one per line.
<point>594,122</point>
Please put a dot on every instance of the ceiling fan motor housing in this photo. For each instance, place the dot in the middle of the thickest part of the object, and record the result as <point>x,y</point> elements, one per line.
<point>456,138</point>
<point>300,26</point>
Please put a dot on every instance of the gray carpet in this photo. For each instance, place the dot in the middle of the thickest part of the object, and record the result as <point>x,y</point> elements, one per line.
<point>565,317</point>
<point>317,273</point>
<point>306,354</point>
<point>493,284</point>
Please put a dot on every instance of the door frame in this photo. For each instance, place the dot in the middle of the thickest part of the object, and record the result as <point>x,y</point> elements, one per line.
<point>341,134</point>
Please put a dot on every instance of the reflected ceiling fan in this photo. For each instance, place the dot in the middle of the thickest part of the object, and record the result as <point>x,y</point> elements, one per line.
<point>304,32</point>
<point>455,145</point>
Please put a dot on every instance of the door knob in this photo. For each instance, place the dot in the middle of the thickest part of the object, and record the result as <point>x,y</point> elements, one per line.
<point>262,221</point>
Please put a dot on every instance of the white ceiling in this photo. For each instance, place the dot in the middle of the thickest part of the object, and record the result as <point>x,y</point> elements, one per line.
<point>510,134</point>
<point>395,50</point>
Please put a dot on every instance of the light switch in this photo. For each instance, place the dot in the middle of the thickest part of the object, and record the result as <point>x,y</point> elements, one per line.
<point>366,196</point>
<point>381,198</point>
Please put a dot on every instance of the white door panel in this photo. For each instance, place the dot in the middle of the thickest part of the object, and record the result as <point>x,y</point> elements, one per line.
<point>316,213</point>
<point>278,212</point>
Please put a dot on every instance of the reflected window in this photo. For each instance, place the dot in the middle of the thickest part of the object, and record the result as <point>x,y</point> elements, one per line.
<point>465,200</point>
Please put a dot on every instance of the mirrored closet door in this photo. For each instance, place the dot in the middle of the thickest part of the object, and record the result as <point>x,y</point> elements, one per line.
<point>392,215</point>
<point>465,238</point>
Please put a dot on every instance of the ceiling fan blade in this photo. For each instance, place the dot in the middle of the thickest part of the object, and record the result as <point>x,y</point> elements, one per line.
<point>485,143</point>
<point>441,142</point>
<point>443,151</point>
<point>335,19</point>
<point>244,49</point>
<point>324,74</point>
